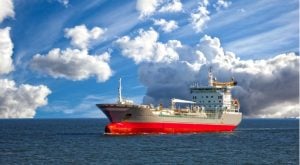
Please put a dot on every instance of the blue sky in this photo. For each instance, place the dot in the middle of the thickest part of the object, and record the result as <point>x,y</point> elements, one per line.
<point>256,31</point>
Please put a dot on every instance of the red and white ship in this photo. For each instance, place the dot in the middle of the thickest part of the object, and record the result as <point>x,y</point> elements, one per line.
<point>211,109</point>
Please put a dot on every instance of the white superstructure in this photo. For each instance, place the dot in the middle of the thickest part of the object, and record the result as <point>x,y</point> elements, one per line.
<point>217,95</point>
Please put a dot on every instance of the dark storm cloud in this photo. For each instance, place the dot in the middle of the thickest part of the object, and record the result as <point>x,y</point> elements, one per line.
<point>259,91</point>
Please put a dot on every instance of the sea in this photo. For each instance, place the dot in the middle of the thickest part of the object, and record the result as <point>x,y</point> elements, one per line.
<point>82,141</point>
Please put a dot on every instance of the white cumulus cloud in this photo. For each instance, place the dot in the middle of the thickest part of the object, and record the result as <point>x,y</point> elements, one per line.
<point>6,51</point>
<point>146,48</point>
<point>73,64</point>
<point>173,6</point>
<point>200,17</point>
<point>6,9</point>
<point>166,26</point>
<point>147,7</point>
<point>21,101</point>
<point>80,36</point>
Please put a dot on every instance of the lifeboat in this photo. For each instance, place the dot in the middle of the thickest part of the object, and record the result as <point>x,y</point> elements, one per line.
<point>224,84</point>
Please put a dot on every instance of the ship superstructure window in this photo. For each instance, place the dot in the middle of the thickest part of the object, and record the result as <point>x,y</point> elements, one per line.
<point>211,96</point>
<point>206,96</point>
<point>220,97</point>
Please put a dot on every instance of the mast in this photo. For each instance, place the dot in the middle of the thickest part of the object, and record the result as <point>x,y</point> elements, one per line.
<point>210,78</point>
<point>120,100</point>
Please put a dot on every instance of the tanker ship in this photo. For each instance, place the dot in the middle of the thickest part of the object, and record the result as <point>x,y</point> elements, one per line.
<point>210,109</point>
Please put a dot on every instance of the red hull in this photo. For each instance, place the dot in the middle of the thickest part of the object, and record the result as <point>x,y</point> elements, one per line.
<point>166,128</point>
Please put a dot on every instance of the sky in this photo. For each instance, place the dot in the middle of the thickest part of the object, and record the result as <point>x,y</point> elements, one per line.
<point>58,58</point>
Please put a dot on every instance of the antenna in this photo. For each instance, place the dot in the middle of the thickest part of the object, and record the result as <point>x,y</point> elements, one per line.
<point>120,91</point>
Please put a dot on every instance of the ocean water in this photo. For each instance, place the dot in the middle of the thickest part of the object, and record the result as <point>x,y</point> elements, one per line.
<point>81,141</point>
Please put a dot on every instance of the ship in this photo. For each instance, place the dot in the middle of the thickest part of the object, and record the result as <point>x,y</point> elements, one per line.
<point>210,108</point>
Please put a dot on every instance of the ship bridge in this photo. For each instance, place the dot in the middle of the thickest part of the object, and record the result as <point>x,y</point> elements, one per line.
<point>217,95</point>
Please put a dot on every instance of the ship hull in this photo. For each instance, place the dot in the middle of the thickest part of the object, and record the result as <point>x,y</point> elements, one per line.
<point>135,119</point>
<point>164,128</point>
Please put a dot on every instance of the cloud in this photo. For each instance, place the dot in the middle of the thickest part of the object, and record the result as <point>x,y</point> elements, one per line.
<point>166,26</point>
<point>267,88</point>
<point>6,9</point>
<point>21,101</point>
<point>6,51</point>
<point>200,17</point>
<point>222,4</point>
<point>291,110</point>
<point>204,2</point>
<point>64,2</point>
<point>267,84</point>
<point>73,64</point>
<point>80,36</point>
<point>173,6</point>
<point>147,7</point>
<point>146,48</point>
